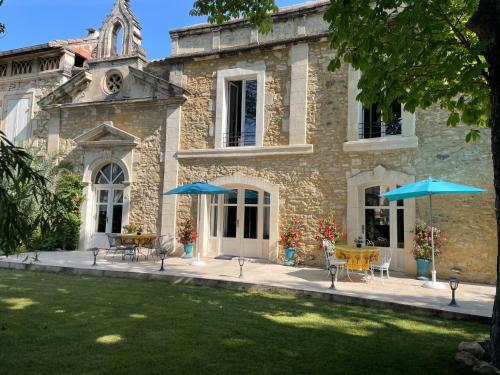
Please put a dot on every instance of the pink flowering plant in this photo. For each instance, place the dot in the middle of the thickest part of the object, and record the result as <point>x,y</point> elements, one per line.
<point>328,230</point>
<point>186,234</point>
<point>422,242</point>
<point>292,234</point>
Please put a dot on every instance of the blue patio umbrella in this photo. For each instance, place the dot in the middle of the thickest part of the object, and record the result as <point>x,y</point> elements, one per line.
<point>428,188</point>
<point>198,189</point>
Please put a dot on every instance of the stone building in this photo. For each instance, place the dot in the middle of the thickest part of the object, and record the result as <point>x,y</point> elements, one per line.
<point>260,114</point>
<point>28,74</point>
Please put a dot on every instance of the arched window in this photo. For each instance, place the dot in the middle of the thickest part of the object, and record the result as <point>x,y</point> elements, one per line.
<point>117,40</point>
<point>109,199</point>
<point>110,174</point>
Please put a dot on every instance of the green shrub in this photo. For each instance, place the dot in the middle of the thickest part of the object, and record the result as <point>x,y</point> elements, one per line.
<point>64,232</point>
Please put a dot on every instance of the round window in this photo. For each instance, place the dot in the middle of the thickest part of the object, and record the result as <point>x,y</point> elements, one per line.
<point>114,82</point>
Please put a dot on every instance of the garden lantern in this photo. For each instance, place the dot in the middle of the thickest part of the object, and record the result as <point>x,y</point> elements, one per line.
<point>333,273</point>
<point>454,286</point>
<point>95,252</point>
<point>241,262</point>
<point>162,254</point>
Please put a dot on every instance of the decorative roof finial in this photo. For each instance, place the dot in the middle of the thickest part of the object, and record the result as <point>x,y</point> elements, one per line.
<point>120,33</point>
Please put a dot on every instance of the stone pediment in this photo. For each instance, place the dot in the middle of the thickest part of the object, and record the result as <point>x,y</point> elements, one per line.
<point>69,90</point>
<point>86,88</point>
<point>106,136</point>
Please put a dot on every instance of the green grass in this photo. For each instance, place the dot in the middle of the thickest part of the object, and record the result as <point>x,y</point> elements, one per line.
<point>56,324</point>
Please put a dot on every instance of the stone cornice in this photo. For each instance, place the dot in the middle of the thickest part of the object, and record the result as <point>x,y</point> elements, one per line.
<point>237,50</point>
<point>284,14</point>
<point>149,100</point>
<point>245,152</point>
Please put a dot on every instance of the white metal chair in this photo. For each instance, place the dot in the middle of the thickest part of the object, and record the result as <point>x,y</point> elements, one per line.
<point>383,265</point>
<point>332,261</point>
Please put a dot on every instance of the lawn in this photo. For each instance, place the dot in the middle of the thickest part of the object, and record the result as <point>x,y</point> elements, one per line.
<point>57,324</point>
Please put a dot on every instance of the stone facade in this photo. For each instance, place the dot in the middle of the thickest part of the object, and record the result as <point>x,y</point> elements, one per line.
<point>312,185</point>
<point>166,124</point>
<point>45,67</point>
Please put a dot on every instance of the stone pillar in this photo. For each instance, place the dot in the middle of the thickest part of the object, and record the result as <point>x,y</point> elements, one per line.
<point>175,44</point>
<point>353,119</point>
<point>216,40</point>
<point>54,126</point>
<point>170,169</point>
<point>299,60</point>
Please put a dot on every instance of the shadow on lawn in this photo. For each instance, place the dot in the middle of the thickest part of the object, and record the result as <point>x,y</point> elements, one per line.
<point>127,326</point>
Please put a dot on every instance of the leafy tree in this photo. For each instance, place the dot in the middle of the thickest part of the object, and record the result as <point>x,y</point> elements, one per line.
<point>218,11</point>
<point>2,26</point>
<point>25,200</point>
<point>64,230</point>
<point>419,52</point>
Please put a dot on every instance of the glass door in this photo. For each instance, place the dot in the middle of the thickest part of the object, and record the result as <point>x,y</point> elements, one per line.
<point>384,224</point>
<point>244,220</point>
<point>109,211</point>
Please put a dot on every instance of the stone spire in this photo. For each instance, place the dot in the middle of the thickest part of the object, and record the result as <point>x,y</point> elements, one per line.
<point>120,33</point>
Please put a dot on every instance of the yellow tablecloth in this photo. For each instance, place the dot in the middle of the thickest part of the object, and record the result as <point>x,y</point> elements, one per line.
<point>358,259</point>
<point>140,240</point>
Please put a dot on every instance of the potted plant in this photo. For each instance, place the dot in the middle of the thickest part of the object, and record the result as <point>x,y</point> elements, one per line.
<point>359,242</point>
<point>328,231</point>
<point>132,229</point>
<point>291,238</point>
<point>422,247</point>
<point>187,237</point>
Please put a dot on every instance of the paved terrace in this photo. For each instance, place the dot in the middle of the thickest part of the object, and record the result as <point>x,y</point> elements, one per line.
<point>399,293</point>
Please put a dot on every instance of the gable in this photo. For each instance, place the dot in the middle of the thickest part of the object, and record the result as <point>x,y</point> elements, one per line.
<point>90,86</point>
<point>106,135</point>
<point>68,91</point>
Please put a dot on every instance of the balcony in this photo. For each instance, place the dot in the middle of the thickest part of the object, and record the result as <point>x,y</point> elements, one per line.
<point>379,129</point>
<point>239,139</point>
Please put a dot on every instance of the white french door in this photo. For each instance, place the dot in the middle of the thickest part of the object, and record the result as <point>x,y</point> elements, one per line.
<point>383,223</point>
<point>243,228</point>
<point>109,210</point>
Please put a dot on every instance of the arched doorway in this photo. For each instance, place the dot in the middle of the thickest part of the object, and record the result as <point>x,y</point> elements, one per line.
<point>383,223</point>
<point>109,202</point>
<point>387,225</point>
<point>245,223</point>
<point>239,223</point>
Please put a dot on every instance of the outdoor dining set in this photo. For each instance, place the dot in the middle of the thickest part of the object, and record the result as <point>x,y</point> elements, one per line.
<point>134,246</point>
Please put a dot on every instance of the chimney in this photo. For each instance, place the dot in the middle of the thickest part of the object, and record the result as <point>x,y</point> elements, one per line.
<point>92,33</point>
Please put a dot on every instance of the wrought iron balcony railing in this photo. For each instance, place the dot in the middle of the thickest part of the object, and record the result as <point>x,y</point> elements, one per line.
<point>379,129</point>
<point>239,139</point>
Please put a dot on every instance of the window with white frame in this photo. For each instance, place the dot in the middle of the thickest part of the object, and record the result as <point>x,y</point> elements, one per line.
<point>240,107</point>
<point>372,126</point>
<point>366,131</point>
<point>241,113</point>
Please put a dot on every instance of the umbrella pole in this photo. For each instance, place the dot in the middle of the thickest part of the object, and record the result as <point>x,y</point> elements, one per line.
<point>198,261</point>
<point>432,242</point>
<point>433,284</point>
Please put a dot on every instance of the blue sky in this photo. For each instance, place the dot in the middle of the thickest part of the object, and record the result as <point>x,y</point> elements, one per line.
<point>31,22</point>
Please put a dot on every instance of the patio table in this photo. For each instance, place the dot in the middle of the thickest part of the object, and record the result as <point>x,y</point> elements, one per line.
<point>358,258</point>
<point>143,240</point>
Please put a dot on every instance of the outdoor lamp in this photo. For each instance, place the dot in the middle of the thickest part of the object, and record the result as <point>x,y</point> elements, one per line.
<point>95,251</point>
<point>162,254</point>
<point>241,262</point>
<point>454,286</point>
<point>333,270</point>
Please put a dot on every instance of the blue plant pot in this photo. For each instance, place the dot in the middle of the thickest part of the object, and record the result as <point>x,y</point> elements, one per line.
<point>423,268</point>
<point>290,256</point>
<point>188,251</point>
